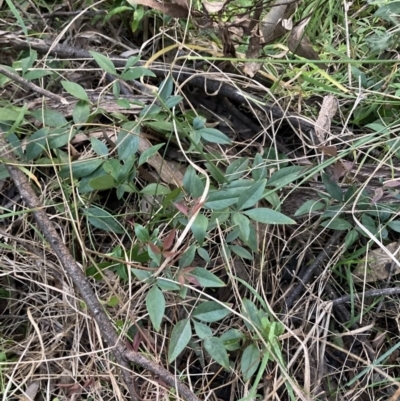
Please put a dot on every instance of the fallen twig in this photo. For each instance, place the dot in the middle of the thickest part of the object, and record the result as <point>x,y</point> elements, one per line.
<point>31,86</point>
<point>376,292</point>
<point>82,284</point>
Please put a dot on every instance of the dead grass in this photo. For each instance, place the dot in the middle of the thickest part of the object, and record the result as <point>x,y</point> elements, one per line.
<point>50,344</point>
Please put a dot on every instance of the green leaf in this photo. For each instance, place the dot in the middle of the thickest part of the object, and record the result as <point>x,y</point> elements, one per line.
<point>155,189</point>
<point>154,255</point>
<point>103,182</point>
<point>243,223</point>
<point>104,63</point>
<point>155,304</point>
<point>199,228</point>
<point>172,101</point>
<point>150,110</point>
<point>140,274</point>
<point>95,271</point>
<point>217,218</point>
<point>28,62</point>
<point>99,147</point>
<point>215,348</point>
<point>3,172</point>
<point>199,122</point>
<point>188,178</point>
<point>85,167</point>
<point>36,74</point>
<point>215,172</point>
<point>137,18</point>
<point>187,258</point>
<point>285,176</point>
<point>351,237</point>
<point>250,361</point>
<point>15,144</point>
<point>81,112</point>
<point>214,136</point>
<point>259,169</point>
<point>202,330</point>
<point>112,167</point>
<point>253,240</point>
<point>220,199</point>
<point>309,207</point>
<point>141,233</point>
<point>127,141</point>
<point>165,89</point>
<point>240,251</point>
<point>369,223</point>
<point>394,225</point>
<point>203,254</point>
<point>59,137</point>
<point>237,169</point>
<point>350,193</point>
<point>251,195</point>
<point>250,311</point>
<point>127,170</point>
<point>268,216</point>
<point>9,114</point>
<point>232,235</point>
<point>197,187</point>
<point>50,117</point>
<point>115,11</point>
<point>332,187</point>
<point>102,219</point>
<point>116,88</point>
<point>167,285</point>
<point>113,301</point>
<point>149,153</point>
<point>210,311</point>
<point>136,73</point>
<point>75,90</point>
<point>337,224</point>
<point>180,337</point>
<point>160,126</point>
<point>37,144</point>
<point>232,338</point>
<point>206,278</point>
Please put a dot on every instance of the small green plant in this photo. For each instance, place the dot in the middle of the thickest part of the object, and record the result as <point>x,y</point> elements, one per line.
<point>335,212</point>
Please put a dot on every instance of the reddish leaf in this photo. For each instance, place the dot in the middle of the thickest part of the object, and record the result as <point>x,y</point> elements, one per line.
<point>155,248</point>
<point>182,208</point>
<point>392,183</point>
<point>193,280</point>
<point>329,150</point>
<point>378,195</point>
<point>169,240</point>
<point>338,171</point>
<point>188,270</point>
<point>129,346</point>
<point>136,341</point>
<point>169,254</point>
<point>181,279</point>
<point>348,165</point>
<point>198,205</point>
